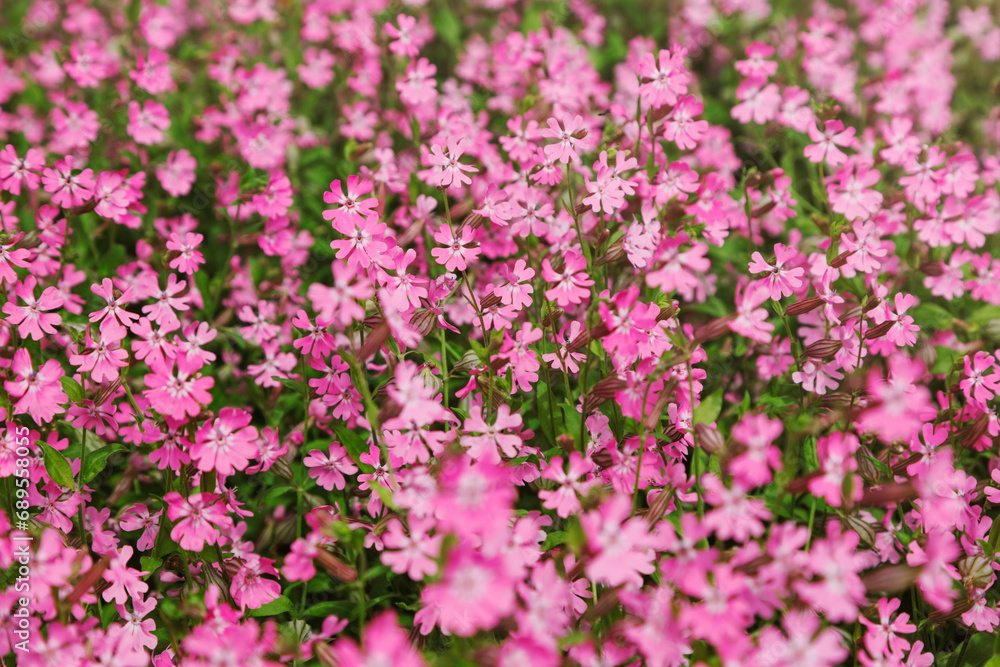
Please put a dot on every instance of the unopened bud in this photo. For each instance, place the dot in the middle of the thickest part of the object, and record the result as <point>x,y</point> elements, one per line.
<point>603,237</point>
<point>473,221</point>
<point>567,442</point>
<point>490,300</point>
<point>888,494</point>
<point>841,259</point>
<point>336,567</point>
<point>374,342</point>
<point>424,320</point>
<point>761,211</point>
<point>804,306</point>
<point>710,439</point>
<point>360,150</point>
<point>608,387</point>
<point>580,134</point>
<point>869,473</point>
<point>389,410</point>
<point>933,269</point>
<point>864,530</point>
<point>972,434</point>
<point>282,469</point>
<point>890,578</point>
<point>878,331</point>
<point>870,303</point>
<point>977,571</point>
<point>613,254</point>
<point>552,318</point>
<point>714,329</point>
<point>823,349</point>
<point>602,458</point>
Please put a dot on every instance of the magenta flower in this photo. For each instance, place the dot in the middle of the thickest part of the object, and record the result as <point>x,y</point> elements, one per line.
<point>568,133</point>
<point>570,285</point>
<point>226,444</point>
<point>351,210</point>
<point>474,595</point>
<point>329,469</point>
<point>176,175</point>
<point>666,77</point>
<point>147,123</point>
<point>31,319</point>
<point>197,519</point>
<point>68,189</point>
<point>15,171</point>
<point>458,250</point>
<point>829,142</point>
<point>40,394</point>
<point>781,281</point>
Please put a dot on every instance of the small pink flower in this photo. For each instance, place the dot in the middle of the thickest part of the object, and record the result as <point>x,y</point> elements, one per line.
<point>329,469</point>
<point>197,519</point>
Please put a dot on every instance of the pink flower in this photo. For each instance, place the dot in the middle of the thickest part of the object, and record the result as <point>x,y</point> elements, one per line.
<point>781,281</point>
<point>666,77</point>
<point>39,393</point>
<point>565,500</point>
<point>852,198</point>
<point>750,320</point>
<point>226,444</point>
<point>329,470</point>
<point>885,634</point>
<point>14,170</point>
<point>68,190</point>
<point>474,595</point>
<point>417,86</point>
<point>385,643</point>
<point>147,123</point>
<point>458,250</point>
<point>827,143</point>
<point>977,385</point>
<point>414,553</point>
<point>937,573</point>
<point>125,582</point>
<point>570,285</point>
<point>31,319</point>
<point>189,257</point>
<point>449,171</point>
<point>567,136</point>
<point>181,393</point>
<point>491,440</point>
<point>623,545</point>
<point>351,210</point>
<point>197,519</point>
<point>836,456</point>
<point>176,175</point>
<point>249,588</point>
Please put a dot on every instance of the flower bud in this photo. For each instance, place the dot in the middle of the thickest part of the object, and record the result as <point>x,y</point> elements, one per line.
<point>567,442</point>
<point>933,269</point>
<point>761,211</point>
<point>613,254</point>
<point>602,458</point>
<point>841,259</point>
<point>888,494</point>
<point>389,410</point>
<point>282,469</point>
<point>714,329</point>
<point>864,530</point>
<point>374,342</point>
<point>823,349</point>
<point>804,306</point>
<point>869,473</point>
<point>710,439</point>
<point>977,571</point>
<point>490,300</point>
<point>870,303</point>
<point>878,331</point>
<point>473,221</point>
<point>603,237</point>
<point>337,568</point>
<point>608,387</point>
<point>425,321</point>
<point>552,318</point>
<point>890,578</point>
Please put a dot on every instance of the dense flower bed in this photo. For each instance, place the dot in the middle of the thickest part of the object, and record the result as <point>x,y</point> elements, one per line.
<point>499,333</point>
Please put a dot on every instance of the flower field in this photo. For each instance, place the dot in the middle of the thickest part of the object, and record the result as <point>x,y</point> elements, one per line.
<point>513,333</point>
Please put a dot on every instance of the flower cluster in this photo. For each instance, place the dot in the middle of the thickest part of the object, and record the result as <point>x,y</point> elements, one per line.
<point>391,333</point>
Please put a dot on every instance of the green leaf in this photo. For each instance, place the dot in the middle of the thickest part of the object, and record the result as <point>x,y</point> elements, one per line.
<point>72,388</point>
<point>150,565</point>
<point>272,608</point>
<point>297,386</point>
<point>448,27</point>
<point>553,539</point>
<point>946,356</point>
<point>708,410</point>
<point>571,419</point>
<point>931,316</point>
<point>97,460</point>
<point>354,445</point>
<point>56,465</point>
<point>324,609</point>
